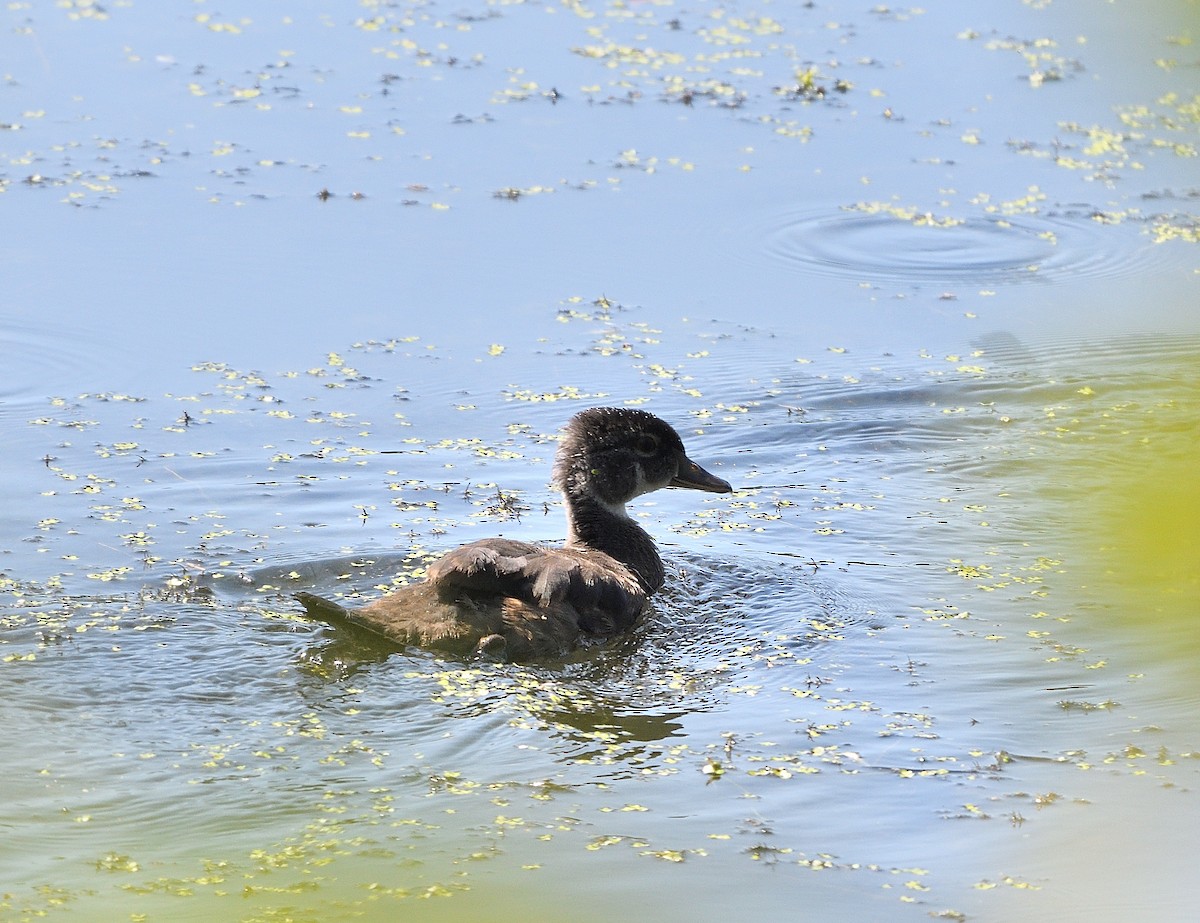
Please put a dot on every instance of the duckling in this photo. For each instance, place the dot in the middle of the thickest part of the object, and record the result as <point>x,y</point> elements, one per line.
<point>519,600</point>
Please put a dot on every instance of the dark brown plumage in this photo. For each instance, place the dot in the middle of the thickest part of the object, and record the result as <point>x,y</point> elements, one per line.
<point>519,600</point>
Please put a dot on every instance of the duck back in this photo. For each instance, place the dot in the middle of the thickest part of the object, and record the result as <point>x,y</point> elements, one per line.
<point>502,596</point>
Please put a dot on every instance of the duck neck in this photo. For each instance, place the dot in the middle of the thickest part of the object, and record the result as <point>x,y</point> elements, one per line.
<point>597,525</point>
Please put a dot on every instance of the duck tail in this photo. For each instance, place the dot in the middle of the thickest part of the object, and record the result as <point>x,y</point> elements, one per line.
<point>324,609</point>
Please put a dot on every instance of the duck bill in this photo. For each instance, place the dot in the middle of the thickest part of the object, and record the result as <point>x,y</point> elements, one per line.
<point>694,477</point>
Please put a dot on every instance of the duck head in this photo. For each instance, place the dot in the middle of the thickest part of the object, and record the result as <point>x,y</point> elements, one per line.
<point>614,454</point>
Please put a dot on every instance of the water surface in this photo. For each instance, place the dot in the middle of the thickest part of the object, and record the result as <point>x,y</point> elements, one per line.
<point>300,297</point>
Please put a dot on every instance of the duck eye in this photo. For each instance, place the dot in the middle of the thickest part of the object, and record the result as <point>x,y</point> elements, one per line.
<point>646,446</point>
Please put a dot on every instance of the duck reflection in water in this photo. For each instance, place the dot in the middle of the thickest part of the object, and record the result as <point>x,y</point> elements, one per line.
<point>519,600</point>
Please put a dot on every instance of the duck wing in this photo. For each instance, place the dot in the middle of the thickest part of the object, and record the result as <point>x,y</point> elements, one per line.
<point>491,566</point>
<point>602,592</point>
<point>499,595</point>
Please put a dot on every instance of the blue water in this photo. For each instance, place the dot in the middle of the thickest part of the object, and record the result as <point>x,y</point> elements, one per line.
<point>292,296</point>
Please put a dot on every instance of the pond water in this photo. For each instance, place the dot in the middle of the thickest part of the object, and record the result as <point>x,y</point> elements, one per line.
<point>296,297</point>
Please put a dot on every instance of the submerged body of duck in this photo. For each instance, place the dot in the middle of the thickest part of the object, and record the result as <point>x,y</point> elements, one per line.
<point>520,600</point>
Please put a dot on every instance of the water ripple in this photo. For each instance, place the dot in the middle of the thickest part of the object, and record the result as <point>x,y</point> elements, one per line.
<point>898,245</point>
<point>42,358</point>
